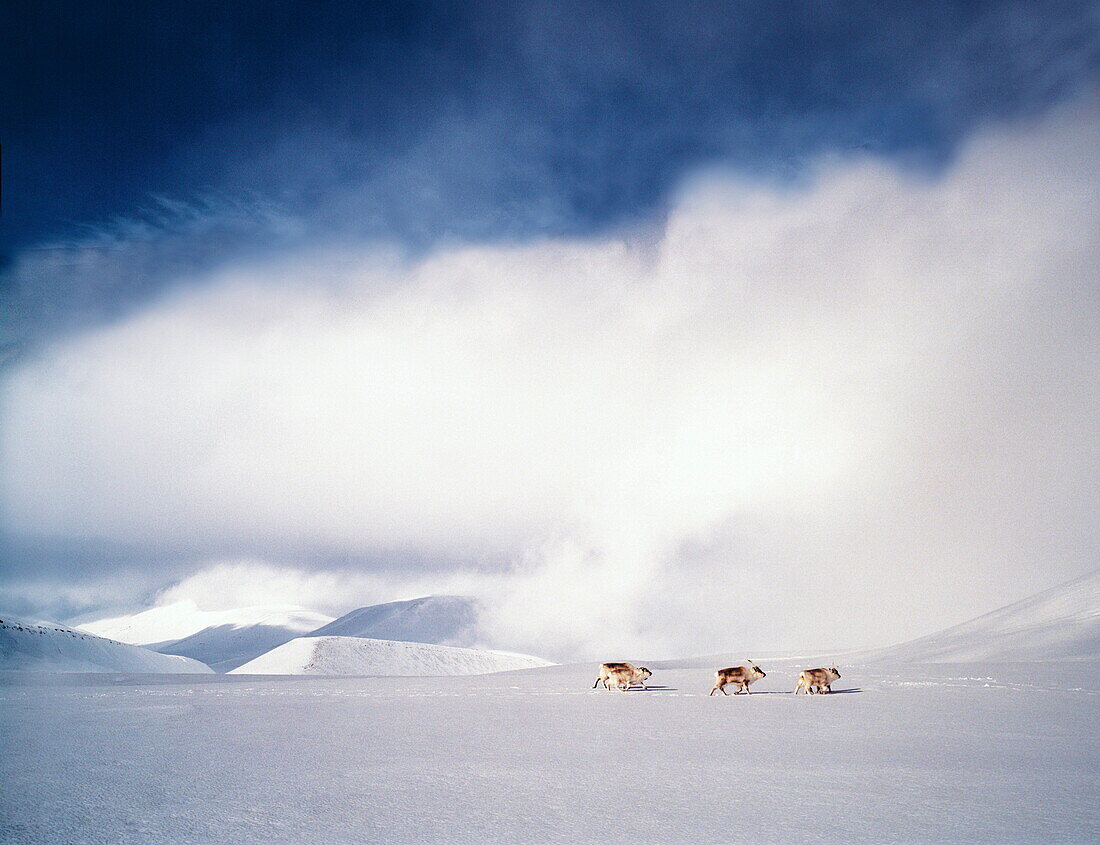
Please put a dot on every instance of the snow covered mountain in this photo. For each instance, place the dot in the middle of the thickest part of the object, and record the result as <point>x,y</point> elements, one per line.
<point>442,620</point>
<point>225,647</point>
<point>170,623</point>
<point>222,639</point>
<point>48,647</point>
<point>1062,623</point>
<point>228,639</point>
<point>362,656</point>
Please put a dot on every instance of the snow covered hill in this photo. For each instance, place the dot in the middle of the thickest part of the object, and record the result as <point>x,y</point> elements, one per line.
<point>1062,623</point>
<point>361,656</point>
<point>443,620</point>
<point>225,647</point>
<point>48,647</point>
<point>222,639</point>
<point>168,624</point>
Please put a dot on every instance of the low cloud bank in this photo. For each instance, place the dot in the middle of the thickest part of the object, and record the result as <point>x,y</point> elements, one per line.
<point>875,391</point>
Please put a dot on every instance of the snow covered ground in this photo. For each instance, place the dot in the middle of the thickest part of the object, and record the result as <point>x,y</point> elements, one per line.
<point>974,753</point>
<point>359,656</point>
<point>50,647</point>
<point>1000,750</point>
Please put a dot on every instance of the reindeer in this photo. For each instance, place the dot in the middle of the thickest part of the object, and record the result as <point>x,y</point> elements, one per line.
<point>740,675</point>
<point>623,675</point>
<point>820,678</point>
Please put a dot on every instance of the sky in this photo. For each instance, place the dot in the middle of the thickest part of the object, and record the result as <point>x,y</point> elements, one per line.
<point>665,330</point>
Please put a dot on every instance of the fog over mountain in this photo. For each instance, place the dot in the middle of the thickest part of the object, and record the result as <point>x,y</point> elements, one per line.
<point>863,390</point>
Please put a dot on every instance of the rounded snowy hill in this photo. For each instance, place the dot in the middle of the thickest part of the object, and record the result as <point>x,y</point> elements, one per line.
<point>1062,623</point>
<point>361,656</point>
<point>446,620</point>
<point>49,647</point>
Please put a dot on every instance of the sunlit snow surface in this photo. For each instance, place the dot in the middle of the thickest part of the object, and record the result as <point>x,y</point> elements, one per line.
<point>966,752</point>
<point>51,647</point>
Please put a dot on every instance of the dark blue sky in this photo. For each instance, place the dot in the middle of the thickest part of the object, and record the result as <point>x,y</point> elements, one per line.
<point>416,121</point>
<point>421,123</point>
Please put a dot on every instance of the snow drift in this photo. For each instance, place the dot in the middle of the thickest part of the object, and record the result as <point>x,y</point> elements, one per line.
<point>361,656</point>
<point>1062,623</point>
<point>443,620</point>
<point>48,647</point>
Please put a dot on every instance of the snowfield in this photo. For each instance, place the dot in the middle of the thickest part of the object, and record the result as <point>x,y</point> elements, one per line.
<point>50,647</point>
<point>996,751</point>
<point>358,656</point>
<point>959,753</point>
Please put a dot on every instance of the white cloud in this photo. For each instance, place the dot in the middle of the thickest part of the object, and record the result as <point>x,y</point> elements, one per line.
<point>231,584</point>
<point>876,387</point>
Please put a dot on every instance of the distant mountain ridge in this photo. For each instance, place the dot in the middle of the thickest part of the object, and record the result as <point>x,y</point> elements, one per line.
<point>227,639</point>
<point>173,622</point>
<point>225,647</point>
<point>441,620</point>
<point>222,639</point>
